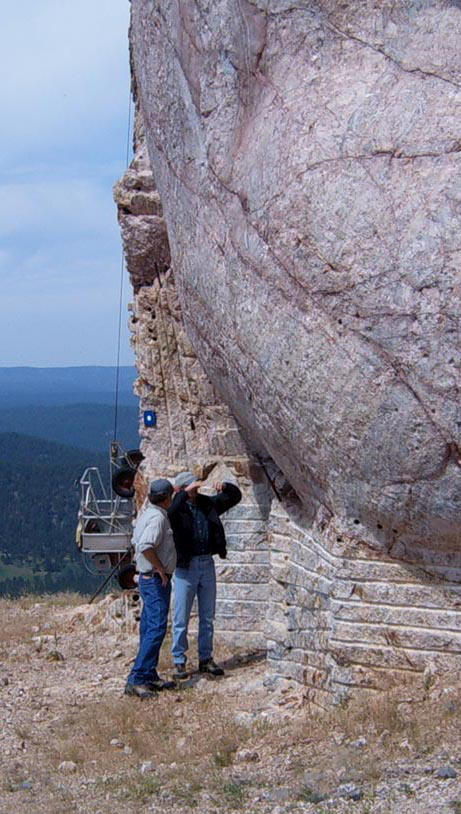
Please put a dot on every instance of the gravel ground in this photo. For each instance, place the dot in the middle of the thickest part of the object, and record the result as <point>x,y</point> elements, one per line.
<point>71,742</point>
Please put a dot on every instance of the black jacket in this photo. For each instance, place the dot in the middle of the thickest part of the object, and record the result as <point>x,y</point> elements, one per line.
<point>182,522</point>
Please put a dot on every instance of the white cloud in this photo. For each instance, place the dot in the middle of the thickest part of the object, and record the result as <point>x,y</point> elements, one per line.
<point>64,98</point>
<point>63,315</point>
<point>47,206</point>
<point>64,69</point>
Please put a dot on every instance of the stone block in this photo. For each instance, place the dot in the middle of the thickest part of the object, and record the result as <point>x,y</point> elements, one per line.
<point>252,591</point>
<point>242,573</point>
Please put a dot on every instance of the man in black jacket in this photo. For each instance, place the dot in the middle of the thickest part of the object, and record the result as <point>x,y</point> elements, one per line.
<point>198,534</point>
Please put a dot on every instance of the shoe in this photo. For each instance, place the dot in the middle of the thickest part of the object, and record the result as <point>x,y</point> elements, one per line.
<point>210,667</point>
<point>140,690</point>
<point>159,684</point>
<point>180,672</point>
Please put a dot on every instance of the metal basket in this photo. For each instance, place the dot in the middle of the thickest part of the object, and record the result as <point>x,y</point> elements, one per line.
<point>105,523</point>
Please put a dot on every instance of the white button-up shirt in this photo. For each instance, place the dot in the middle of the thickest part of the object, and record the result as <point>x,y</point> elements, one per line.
<point>153,530</point>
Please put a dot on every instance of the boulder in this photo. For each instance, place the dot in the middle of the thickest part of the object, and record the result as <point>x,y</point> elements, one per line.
<point>307,158</point>
<point>295,264</point>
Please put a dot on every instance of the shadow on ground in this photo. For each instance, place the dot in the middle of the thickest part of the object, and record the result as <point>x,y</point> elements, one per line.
<point>232,663</point>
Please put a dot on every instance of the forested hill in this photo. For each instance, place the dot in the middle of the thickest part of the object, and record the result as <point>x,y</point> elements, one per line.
<point>88,426</point>
<point>71,405</point>
<point>38,514</point>
<point>20,386</point>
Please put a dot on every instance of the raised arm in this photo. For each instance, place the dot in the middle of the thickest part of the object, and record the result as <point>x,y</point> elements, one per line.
<point>228,495</point>
<point>178,502</point>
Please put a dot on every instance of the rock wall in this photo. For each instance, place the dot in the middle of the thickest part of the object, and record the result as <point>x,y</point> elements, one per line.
<point>194,428</point>
<point>342,618</point>
<point>307,160</point>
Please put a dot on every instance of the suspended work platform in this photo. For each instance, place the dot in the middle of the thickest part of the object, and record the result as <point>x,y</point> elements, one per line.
<point>104,523</point>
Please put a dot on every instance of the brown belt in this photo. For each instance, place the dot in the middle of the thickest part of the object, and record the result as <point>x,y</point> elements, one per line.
<point>153,574</point>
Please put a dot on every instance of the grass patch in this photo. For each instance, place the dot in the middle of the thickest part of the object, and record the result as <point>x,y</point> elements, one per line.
<point>62,599</point>
<point>187,793</point>
<point>152,731</point>
<point>19,616</point>
<point>74,752</point>
<point>16,624</point>
<point>8,785</point>
<point>225,752</point>
<point>234,794</point>
<point>141,790</point>
<point>308,795</point>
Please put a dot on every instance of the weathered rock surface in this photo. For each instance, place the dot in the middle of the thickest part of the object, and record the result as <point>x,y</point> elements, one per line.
<point>194,429</point>
<point>307,160</point>
<point>307,157</point>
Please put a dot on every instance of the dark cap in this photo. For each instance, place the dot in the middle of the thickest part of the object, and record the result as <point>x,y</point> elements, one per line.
<point>160,487</point>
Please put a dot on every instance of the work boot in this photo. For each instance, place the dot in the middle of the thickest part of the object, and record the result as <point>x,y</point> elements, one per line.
<point>210,667</point>
<point>159,684</point>
<point>180,672</point>
<point>140,690</point>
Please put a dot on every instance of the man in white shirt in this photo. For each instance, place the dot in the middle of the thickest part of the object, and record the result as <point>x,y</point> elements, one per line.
<point>155,556</point>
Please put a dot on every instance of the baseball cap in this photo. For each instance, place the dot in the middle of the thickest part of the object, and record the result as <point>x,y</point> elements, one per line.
<point>184,479</point>
<point>159,487</point>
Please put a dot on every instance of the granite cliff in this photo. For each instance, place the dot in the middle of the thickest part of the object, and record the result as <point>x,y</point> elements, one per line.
<point>296,321</point>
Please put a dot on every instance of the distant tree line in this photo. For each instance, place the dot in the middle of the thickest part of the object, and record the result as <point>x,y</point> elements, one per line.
<point>87,426</point>
<point>38,515</point>
<point>77,582</point>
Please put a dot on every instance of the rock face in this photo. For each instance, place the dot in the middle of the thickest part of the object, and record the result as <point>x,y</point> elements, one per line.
<point>194,428</point>
<point>307,160</point>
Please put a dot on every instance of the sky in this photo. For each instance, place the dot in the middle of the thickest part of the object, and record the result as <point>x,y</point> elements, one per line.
<point>64,100</point>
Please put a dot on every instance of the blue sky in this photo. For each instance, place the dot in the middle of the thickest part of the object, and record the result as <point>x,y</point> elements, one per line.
<point>64,100</point>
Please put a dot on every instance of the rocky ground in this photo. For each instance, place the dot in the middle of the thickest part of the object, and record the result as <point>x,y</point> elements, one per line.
<point>71,742</point>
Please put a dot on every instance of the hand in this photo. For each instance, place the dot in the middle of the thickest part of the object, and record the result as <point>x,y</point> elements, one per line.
<point>193,486</point>
<point>163,577</point>
<point>219,486</point>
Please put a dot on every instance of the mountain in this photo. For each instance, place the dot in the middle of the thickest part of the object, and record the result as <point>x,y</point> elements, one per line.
<point>87,426</point>
<point>71,405</point>
<point>38,515</point>
<point>66,385</point>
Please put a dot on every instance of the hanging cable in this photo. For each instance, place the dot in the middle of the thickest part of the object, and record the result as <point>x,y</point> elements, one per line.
<point>122,274</point>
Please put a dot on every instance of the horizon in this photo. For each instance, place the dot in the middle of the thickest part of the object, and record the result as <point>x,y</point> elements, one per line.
<point>61,250</point>
<point>63,366</point>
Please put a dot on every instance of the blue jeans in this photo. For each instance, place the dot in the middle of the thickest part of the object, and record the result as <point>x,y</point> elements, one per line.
<point>197,580</point>
<point>152,628</point>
